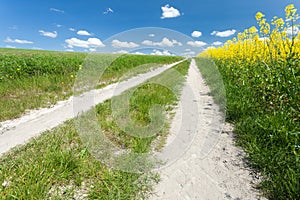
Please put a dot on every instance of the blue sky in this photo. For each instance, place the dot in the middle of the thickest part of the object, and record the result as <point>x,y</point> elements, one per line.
<point>86,25</point>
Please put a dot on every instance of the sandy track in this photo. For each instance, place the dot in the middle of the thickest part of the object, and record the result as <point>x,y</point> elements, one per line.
<point>19,131</point>
<point>212,167</point>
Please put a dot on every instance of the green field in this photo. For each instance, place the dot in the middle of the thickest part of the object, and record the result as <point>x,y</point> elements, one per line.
<point>31,79</point>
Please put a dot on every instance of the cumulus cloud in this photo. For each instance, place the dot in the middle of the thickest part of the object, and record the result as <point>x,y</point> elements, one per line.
<point>169,12</point>
<point>72,29</point>
<point>108,10</point>
<point>161,53</point>
<point>164,43</point>
<point>48,34</point>
<point>18,41</point>
<point>217,43</point>
<point>119,44</point>
<point>196,43</point>
<point>87,44</point>
<point>56,10</point>
<point>226,33</point>
<point>151,35</point>
<point>196,34</point>
<point>83,32</point>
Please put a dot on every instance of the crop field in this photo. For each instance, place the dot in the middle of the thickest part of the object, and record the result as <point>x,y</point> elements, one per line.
<point>31,79</point>
<point>261,74</point>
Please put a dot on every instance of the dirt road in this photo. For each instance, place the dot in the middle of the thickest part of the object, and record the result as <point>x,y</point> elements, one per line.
<point>212,167</point>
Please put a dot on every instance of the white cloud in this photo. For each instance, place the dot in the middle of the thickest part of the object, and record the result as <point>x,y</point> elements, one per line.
<point>209,47</point>
<point>119,44</point>
<point>56,10</point>
<point>72,29</point>
<point>108,10</point>
<point>292,31</point>
<point>87,44</point>
<point>169,12</point>
<point>151,35</point>
<point>92,49</point>
<point>164,43</point>
<point>9,46</point>
<point>161,53</point>
<point>196,34</point>
<point>121,52</point>
<point>83,32</point>
<point>138,53</point>
<point>37,48</point>
<point>18,41</point>
<point>58,25</point>
<point>189,53</point>
<point>217,43</point>
<point>226,33</point>
<point>48,34</point>
<point>149,43</point>
<point>196,43</point>
<point>263,39</point>
<point>71,50</point>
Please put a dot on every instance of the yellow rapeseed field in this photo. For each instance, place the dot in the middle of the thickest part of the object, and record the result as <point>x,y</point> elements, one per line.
<point>276,40</point>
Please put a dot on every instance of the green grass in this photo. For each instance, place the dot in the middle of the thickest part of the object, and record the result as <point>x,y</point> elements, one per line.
<point>31,79</point>
<point>59,162</point>
<point>214,79</point>
<point>263,103</point>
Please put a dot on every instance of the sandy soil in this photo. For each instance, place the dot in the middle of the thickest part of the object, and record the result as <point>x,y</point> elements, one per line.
<point>210,165</point>
<point>19,131</point>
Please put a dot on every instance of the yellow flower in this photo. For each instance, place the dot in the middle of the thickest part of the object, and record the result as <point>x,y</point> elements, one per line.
<point>252,29</point>
<point>290,12</point>
<point>280,22</point>
<point>266,29</point>
<point>259,15</point>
